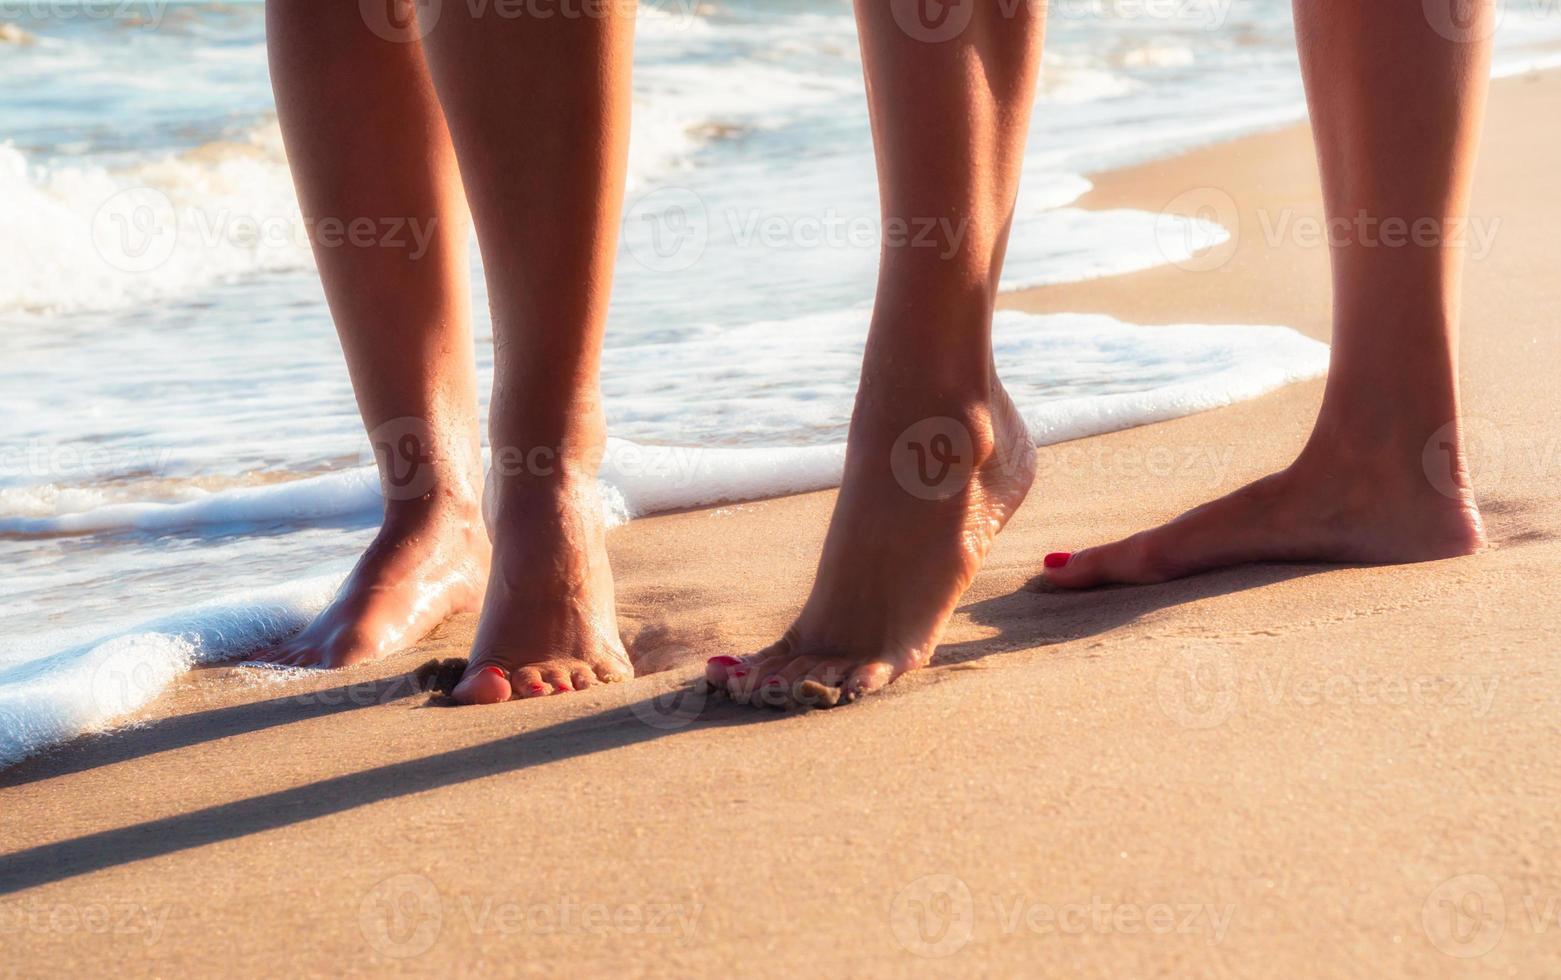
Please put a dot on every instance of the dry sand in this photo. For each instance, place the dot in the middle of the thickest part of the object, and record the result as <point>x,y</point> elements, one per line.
<point>1270,770</point>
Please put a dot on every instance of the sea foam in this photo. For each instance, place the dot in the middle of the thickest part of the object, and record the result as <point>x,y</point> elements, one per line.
<point>86,686</point>
<point>1181,369</point>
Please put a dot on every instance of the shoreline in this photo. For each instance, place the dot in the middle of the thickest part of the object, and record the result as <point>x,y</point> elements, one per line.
<point>1304,764</point>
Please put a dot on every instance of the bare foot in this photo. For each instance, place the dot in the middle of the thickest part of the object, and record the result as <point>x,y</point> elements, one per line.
<point>926,491</point>
<point>548,622</point>
<point>1331,505</point>
<point>425,566</point>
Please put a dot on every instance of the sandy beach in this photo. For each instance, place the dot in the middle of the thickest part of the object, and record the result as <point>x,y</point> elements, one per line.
<point>1276,770</point>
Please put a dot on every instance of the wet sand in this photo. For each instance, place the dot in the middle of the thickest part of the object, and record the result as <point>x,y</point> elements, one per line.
<point>1283,770</point>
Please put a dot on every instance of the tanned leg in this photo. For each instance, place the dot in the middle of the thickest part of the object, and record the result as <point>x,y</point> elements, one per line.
<point>938,459</point>
<point>1396,111</point>
<point>539,111</point>
<point>369,151</point>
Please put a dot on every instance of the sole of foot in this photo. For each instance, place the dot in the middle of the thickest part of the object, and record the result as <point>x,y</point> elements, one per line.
<point>924,496</point>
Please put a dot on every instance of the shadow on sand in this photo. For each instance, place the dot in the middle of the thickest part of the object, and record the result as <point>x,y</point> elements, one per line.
<point>1033,617</point>
<point>1039,615</point>
<point>641,721</point>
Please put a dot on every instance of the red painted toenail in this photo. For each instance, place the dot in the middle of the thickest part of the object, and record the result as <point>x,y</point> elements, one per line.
<point>1057,559</point>
<point>739,672</point>
<point>496,671</point>
<point>538,688</point>
<point>724,661</point>
<point>774,681</point>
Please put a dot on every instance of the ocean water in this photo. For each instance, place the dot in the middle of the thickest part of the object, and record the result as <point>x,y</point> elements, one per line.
<point>182,474</point>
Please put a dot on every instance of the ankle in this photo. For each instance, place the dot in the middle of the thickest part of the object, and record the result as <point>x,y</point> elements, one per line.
<point>540,466</point>
<point>562,487</point>
<point>1412,462</point>
<point>904,374</point>
<point>942,338</point>
<point>547,534</point>
<point>556,446</point>
<point>440,508</point>
<point>889,404</point>
<point>944,441</point>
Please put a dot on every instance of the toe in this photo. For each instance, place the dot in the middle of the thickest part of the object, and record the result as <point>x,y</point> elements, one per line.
<point>763,669</point>
<point>739,683</point>
<point>557,677</point>
<point>483,684</point>
<point>770,691</point>
<point>831,673</point>
<point>1121,562</point>
<point>717,669</point>
<point>786,680</point>
<point>612,673</point>
<point>819,685</point>
<point>581,677</point>
<point>1076,570</point>
<point>813,694</point>
<point>528,683</point>
<point>867,678</point>
<point>765,677</point>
